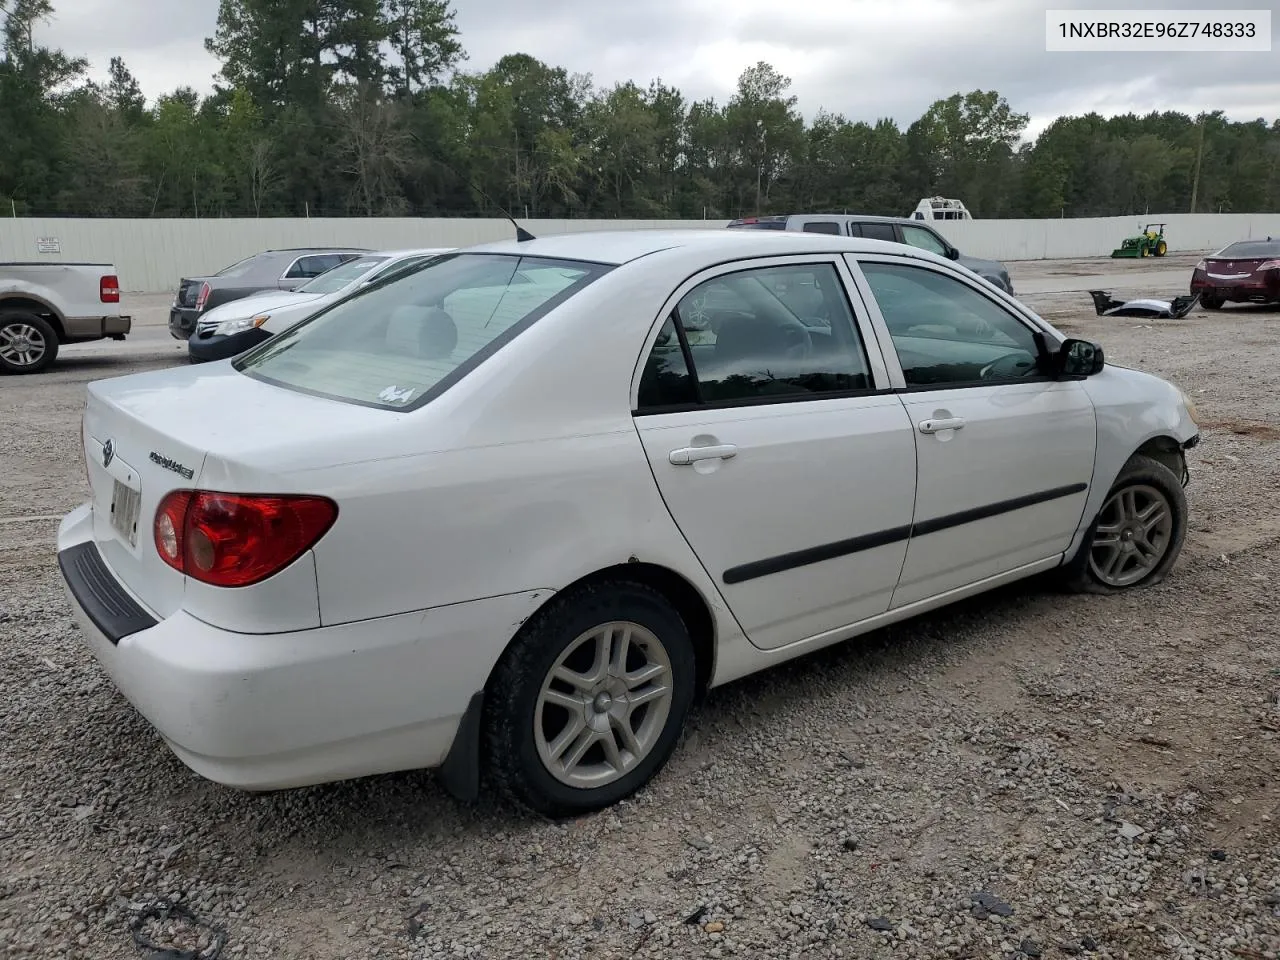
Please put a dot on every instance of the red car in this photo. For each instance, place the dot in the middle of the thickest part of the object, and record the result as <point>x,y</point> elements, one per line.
<point>1247,271</point>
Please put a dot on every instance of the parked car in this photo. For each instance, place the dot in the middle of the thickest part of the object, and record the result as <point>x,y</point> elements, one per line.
<point>46,304</point>
<point>1247,271</point>
<point>500,516</point>
<point>893,229</point>
<point>269,270</point>
<point>235,327</point>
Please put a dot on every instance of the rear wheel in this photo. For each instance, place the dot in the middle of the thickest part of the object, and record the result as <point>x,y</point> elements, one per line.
<point>1161,248</point>
<point>1138,534</point>
<point>1211,303</point>
<point>589,700</point>
<point>28,344</point>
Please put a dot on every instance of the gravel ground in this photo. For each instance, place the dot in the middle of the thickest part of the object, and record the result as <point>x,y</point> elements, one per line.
<point>1022,775</point>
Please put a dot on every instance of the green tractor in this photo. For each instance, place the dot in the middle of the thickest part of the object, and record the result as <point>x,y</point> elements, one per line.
<point>1149,243</point>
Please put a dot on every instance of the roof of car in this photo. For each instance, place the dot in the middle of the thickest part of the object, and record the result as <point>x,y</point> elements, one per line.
<point>860,217</point>
<point>409,252</point>
<point>621,246</point>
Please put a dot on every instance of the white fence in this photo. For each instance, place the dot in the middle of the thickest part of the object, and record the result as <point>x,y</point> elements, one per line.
<point>1098,236</point>
<point>151,255</point>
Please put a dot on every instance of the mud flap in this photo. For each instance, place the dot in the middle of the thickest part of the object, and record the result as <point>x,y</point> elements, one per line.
<point>460,772</point>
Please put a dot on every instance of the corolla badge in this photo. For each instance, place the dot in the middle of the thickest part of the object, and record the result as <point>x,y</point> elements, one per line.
<point>174,465</point>
<point>108,453</point>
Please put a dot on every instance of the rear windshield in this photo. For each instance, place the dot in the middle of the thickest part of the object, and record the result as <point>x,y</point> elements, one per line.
<point>761,225</point>
<point>398,344</point>
<point>240,267</point>
<point>334,279</point>
<point>1249,250</point>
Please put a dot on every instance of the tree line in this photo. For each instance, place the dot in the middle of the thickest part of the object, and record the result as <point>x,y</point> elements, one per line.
<point>366,108</point>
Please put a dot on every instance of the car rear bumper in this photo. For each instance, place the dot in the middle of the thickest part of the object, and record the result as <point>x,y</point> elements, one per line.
<point>182,322</point>
<point>1236,292</point>
<point>213,347</point>
<point>96,328</point>
<point>282,710</point>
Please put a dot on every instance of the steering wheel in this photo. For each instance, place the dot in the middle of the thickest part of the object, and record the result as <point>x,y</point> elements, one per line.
<point>797,343</point>
<point>1007,367</point>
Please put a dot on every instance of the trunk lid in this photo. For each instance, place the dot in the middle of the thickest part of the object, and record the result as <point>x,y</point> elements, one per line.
<point>189,290</point>
<point>1233,269</point>
<point>148,434</point>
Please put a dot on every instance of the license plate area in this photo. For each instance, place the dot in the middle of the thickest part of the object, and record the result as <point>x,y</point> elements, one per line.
<point>126,503</point>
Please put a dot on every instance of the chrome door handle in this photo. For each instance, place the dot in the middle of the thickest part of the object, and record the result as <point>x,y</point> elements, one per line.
<point>947,423</point>
<point>687,455</point>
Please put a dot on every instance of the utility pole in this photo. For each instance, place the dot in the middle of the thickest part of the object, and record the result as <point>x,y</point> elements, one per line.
<point>1195,184</point>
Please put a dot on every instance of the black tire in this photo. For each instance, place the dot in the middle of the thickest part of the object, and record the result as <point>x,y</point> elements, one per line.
<point>511,756</point>
<point>1161,248</point>
<point>1079,575</point>
<point>1211,303</point>
<point>33,327</point>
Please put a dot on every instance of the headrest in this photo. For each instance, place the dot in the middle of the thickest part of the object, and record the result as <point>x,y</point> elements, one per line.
<point>428,331</point>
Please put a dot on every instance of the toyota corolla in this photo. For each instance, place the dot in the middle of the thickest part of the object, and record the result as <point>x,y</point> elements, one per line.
<point>508,514</point>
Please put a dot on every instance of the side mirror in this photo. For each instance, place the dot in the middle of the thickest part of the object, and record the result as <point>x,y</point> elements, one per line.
<point>953,253</point>
<point>1079,358</point>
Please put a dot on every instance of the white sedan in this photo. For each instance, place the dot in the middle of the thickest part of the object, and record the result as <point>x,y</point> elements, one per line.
<point>509,513</point>
<point>234,327</point>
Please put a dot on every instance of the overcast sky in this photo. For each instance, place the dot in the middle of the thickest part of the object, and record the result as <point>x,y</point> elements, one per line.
<point>863,58</point>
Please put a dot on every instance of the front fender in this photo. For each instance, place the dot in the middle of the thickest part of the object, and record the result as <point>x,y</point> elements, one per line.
<point>1132,409</point>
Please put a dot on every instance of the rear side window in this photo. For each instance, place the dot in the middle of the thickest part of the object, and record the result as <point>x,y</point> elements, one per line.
<point>769,333</point>
<point>822,226</point>
<point>879,231</point>
<point>316,264</point>
<point>397,345</point>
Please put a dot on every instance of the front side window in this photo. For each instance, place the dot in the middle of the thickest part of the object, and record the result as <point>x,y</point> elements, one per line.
<point>924,239</point>
<point>396,345</point>
<point>946,333</point>
<point>784,332</point>
<point>331,281</point>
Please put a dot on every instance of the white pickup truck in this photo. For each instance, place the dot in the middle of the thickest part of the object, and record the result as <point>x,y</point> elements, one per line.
<point>46,304</point>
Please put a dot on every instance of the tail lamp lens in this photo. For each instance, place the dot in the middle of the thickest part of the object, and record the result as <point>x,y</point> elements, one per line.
<point>236,540</point>
<point>109,289</point>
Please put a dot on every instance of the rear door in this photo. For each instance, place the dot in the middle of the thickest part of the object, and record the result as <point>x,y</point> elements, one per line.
<point>782,455</point>
<point>1005,454</point>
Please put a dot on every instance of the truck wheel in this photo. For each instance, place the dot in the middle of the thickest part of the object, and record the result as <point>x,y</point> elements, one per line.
<point>28,344</point>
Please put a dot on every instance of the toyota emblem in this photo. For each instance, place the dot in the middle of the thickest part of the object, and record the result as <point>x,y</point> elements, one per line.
<point>108,453</point>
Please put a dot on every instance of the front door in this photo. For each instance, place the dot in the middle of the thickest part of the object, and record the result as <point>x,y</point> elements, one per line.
<point>784,460</point>
<point>1005,454</point>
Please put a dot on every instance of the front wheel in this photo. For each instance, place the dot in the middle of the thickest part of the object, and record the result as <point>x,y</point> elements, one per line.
<point>1138,534</point>
<point>28,344</point>
<point>1161,248</point>
<point>589,700</point>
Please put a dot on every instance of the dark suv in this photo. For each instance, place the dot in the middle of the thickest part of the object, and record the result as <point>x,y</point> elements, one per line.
<point>894,229</point>
<point>269,270</point>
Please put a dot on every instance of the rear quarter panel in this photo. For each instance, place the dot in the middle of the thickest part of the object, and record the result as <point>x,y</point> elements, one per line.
<point>525,476</point>
<point>72,291</point>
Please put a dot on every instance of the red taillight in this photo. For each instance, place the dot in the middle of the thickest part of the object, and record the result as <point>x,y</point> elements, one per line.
<point>109,289</point>
<point>235,539</point>
<point>203,297</point>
